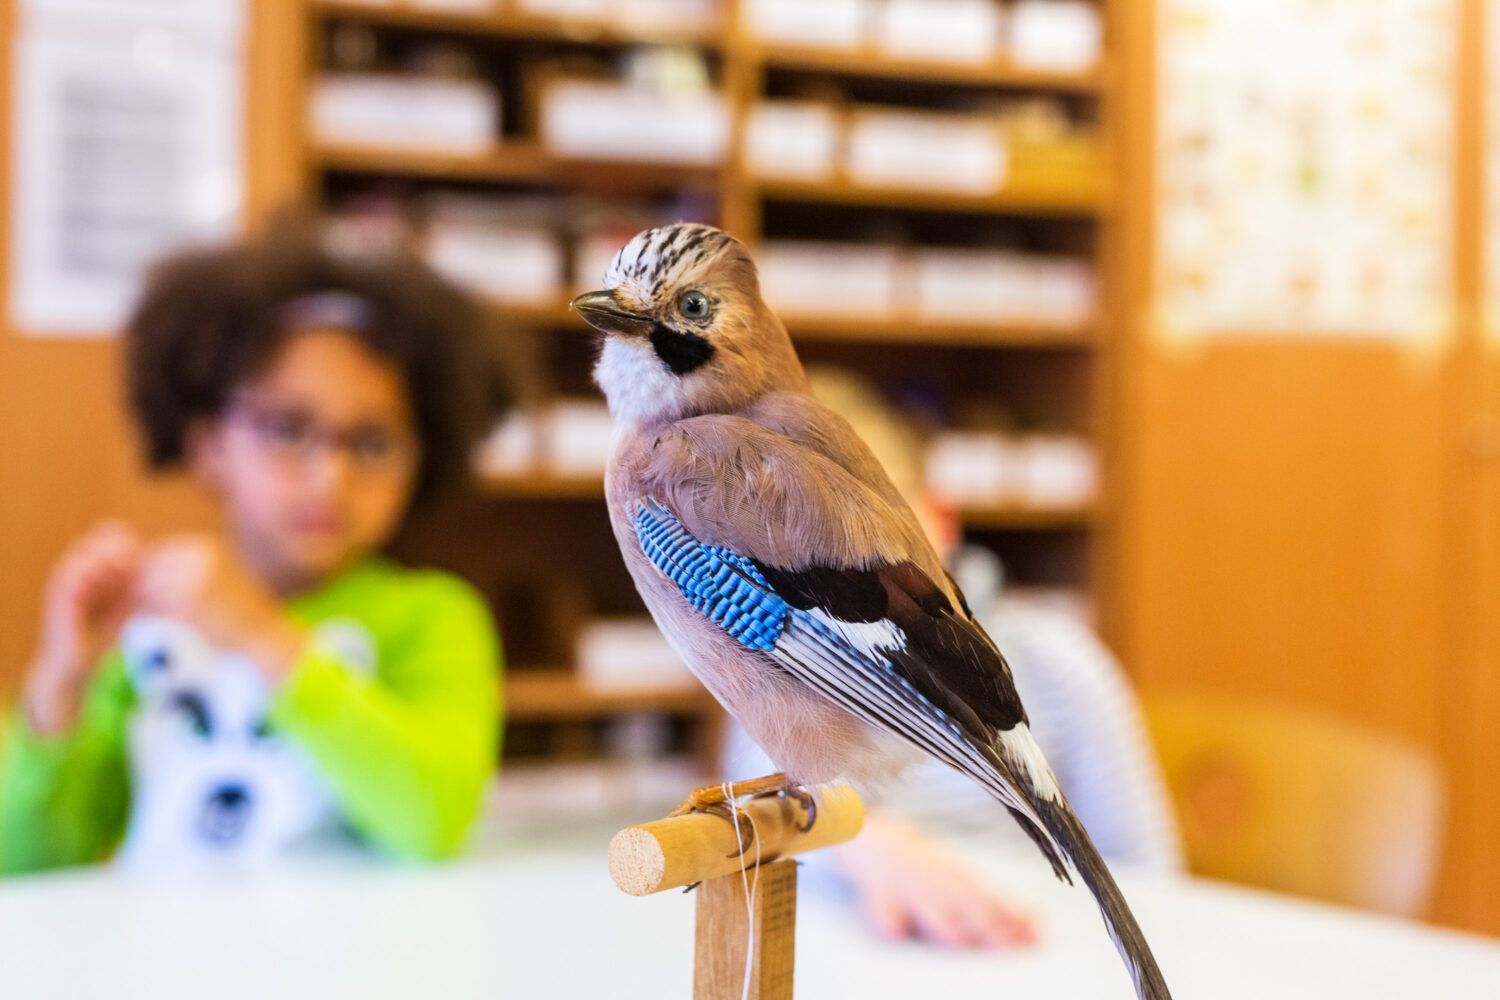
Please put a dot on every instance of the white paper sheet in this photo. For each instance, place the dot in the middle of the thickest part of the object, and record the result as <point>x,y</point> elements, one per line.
<point>128,141</point>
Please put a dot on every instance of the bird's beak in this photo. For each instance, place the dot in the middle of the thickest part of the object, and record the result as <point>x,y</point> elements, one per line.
<point>602,311</point>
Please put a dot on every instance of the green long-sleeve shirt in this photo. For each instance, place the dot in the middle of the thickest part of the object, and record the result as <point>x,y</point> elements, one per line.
<point>406,752</point>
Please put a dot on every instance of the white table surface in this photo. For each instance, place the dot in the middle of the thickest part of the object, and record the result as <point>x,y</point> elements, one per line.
<point>535,915</point>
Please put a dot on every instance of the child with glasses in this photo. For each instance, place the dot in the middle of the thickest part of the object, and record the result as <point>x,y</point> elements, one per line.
<point>317,398</point>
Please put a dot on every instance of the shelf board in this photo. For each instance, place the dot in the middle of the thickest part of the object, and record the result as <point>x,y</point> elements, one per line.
<point>1006,517</point>
<point>908,328</point>
<point>509,24</point>
<point>870,62</point>
<point>513,162</point>
<point>554,314</point>
<point>542,486</point>
<point>898,328</point>
<point>1043,202</point>
<point>1012,518</point>
<point>528,162</point>
<point>558,693</point>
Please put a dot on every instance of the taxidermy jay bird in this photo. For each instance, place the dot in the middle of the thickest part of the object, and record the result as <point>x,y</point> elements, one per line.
<point>783,566</point>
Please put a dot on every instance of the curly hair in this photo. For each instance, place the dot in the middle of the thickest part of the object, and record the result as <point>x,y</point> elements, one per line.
<point>210,320</point>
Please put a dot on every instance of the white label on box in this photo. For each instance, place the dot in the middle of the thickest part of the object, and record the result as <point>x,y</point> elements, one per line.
<point>625,653</point>
<point>926,151</point>
<point>827,24</point>
<point>668,16</point>
<point>597,9</point>
<point>1060,471</point>
<point>1064,35</point>
<point>466,6</point>
<point>825,278</point>
<point>966,31</point>
<point>970,284</point>
<point>1003,285</point>
<point>792,139</point>
<point>1061,288</point>
<point>393,112</point>
<point>511,448</point>
<point>579,433</point>
<point>511,265</point>
<point>592,120</point>
<point>973,467</point>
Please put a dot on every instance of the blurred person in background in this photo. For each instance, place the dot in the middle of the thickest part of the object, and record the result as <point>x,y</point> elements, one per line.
<point>1082,711</point>
<point>279,681</point>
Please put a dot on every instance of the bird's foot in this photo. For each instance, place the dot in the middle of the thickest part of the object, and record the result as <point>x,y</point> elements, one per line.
<point>715,795</point>
<point>718,800</point>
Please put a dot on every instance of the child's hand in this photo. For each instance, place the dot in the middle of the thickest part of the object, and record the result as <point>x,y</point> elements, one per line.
<point>198,580</point>
<point>88,597</point>
<point>910,887</point>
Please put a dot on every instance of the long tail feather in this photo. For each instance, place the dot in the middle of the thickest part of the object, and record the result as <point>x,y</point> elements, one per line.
<point>1074,840</point>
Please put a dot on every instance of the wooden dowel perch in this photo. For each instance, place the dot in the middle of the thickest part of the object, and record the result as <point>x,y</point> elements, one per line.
<point>681,850</point>
<point>699,847</point>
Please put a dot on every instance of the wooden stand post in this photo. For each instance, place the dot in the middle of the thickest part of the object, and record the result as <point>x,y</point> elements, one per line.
<point>700,848</point>
<point>726,926</point>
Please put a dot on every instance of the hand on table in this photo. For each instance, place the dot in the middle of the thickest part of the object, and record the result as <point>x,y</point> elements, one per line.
<point>909,886</point>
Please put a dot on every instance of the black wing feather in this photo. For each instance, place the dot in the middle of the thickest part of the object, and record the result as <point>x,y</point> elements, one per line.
<point>948,657</point>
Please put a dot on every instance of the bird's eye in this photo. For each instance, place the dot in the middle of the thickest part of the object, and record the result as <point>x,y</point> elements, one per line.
<point>694,305</point>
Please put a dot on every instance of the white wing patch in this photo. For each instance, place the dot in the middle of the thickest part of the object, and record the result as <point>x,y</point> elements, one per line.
<point>870,638</point>
<point>863,682</point>
<point>1020,750</point>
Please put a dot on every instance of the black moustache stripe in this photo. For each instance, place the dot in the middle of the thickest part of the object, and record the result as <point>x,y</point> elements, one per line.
<point>680,352</point>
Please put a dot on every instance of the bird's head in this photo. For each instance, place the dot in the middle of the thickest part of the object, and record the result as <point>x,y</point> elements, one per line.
<point>685,329</point>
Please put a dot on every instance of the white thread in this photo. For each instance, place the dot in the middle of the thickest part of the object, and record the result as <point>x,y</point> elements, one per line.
<point>751,887</point>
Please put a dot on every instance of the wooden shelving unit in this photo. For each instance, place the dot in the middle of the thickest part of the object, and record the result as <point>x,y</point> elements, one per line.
<point>905,328</point>
<point>1011,200</point>
<point>543,486</point>
<point>512,25</point>
<point>870,62</point>
<point>540,544</point>
<point>542,693</point>
<point>508,162</point>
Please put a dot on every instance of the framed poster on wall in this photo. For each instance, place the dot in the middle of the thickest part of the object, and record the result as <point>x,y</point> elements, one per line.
<point>127,140</point>
<point>1305,172</point>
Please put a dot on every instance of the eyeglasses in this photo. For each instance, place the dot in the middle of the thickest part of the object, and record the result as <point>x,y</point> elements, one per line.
<point>294,436</point>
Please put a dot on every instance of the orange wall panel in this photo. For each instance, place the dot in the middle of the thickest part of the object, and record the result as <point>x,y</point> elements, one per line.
<point>1287,519</point>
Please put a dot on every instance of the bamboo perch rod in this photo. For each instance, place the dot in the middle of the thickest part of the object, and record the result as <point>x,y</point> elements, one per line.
<point>681,850</point>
